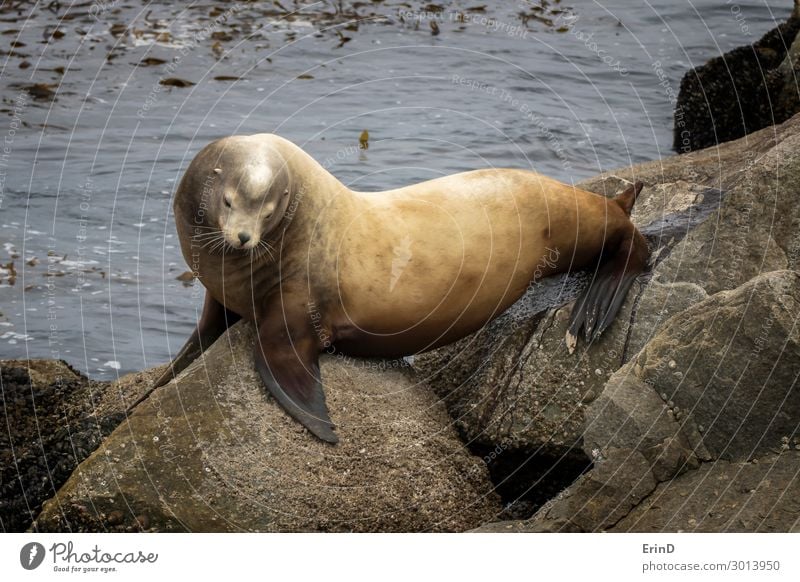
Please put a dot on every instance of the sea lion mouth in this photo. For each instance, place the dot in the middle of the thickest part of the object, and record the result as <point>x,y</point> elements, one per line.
<point>239,243</point>
<point>256,247</point>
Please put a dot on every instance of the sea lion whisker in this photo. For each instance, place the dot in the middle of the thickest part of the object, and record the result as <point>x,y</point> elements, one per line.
<point>205,236</point>
<point>213,240</point>
<point>255,253</point>
<point>266,249</point>
<point>206,233</point>
<point>219,244</point>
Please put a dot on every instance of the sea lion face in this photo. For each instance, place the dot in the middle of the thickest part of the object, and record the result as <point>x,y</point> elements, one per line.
<point>253,196</point>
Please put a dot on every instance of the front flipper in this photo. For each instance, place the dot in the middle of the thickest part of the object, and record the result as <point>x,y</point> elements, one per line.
<point>213,323</point>
<point>287,359</point>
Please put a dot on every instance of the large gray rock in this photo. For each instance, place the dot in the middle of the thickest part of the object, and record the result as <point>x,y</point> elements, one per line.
<point>630,415</point>
<point>762,495</point>
<point>718,381</point>
<point>727,370</point>
<point>211,452</point>
<point>757,228</point>
<point>730,366</point>
<point>595,502</point>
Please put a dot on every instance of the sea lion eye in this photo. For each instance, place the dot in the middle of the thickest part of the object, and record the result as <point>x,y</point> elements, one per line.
<point>226,199</point>
<point>286,193</point>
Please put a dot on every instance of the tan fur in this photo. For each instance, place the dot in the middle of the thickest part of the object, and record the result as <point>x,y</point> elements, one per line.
<point>401,271</point>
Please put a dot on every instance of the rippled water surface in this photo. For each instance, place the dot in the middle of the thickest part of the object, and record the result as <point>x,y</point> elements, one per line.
<point>94,145</point>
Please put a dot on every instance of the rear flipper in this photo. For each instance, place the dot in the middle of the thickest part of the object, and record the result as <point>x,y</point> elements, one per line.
<point>213,323</point>
<point>599,303</point>
<point>287,359</point>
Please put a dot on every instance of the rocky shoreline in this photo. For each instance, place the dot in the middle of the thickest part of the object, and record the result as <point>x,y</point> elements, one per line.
<point>684,416</point>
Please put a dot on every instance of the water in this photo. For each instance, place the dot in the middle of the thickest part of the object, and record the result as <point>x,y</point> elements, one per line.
<point>89,174</point>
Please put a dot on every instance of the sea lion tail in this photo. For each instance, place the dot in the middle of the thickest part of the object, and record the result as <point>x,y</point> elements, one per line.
<point>598,304</point>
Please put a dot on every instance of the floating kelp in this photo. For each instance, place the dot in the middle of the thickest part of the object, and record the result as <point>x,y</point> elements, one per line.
<point>175,82</point>
<point>150,62</point>
<point>342,39</point>
<point>40,91</point>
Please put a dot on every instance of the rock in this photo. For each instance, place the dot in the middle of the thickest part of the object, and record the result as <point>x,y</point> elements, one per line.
<point>717,497</point>
<point>656,303</point>
<point>732,362</point>
<point>761,79</point>
<point>507,384</point>
<point>630,415</point>
<point>50,427</point>
<point>212,452</point>
<point>724,497</point>
<point>115,518</point>
<point>755,231</point>
<point>117,396</point>
<point>595,502</point>
<point>788,97</point>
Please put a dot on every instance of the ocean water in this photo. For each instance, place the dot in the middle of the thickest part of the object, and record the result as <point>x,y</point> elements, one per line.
<point>93,144</point>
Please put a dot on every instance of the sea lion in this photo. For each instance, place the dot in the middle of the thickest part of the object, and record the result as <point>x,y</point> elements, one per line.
<point>276,239</point>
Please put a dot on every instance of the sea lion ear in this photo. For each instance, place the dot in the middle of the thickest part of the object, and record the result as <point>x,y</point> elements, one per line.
<point>627,199</point>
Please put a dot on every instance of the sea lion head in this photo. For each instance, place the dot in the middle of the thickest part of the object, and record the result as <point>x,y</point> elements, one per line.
<point>251,190</point>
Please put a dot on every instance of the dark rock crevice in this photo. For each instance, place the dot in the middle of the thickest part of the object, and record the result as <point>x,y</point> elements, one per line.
<point>526,480</point>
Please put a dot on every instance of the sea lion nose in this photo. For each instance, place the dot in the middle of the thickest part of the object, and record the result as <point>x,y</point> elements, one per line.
<point>244,237</point>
